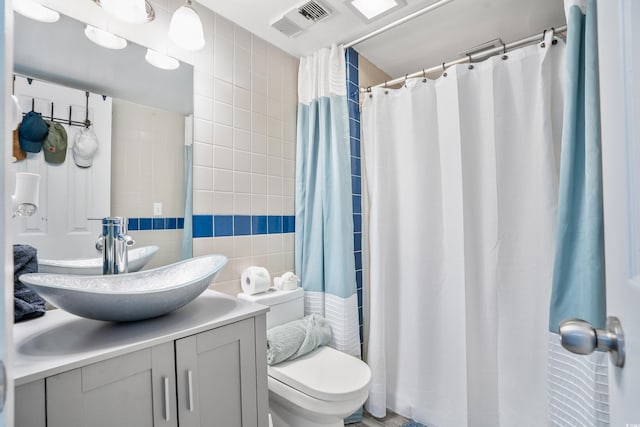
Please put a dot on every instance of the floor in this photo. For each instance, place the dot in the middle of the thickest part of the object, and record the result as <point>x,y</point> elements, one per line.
<point>391,420</point>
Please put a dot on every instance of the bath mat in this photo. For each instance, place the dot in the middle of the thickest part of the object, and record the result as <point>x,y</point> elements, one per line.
<point>413,424</point>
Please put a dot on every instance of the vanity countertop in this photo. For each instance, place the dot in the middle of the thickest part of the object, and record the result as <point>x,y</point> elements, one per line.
<point>60,341</point>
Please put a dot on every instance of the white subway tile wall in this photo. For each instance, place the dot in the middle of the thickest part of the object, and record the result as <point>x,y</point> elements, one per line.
<point>245,97</point>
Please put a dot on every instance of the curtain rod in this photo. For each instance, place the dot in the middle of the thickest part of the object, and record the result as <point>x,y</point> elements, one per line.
<point>400,21</point>
<point>471,57</point>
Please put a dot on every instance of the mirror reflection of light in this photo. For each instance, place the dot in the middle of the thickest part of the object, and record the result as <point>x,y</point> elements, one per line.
<point>33,10</point>
<point>159,60</point>
<point>104,38</point>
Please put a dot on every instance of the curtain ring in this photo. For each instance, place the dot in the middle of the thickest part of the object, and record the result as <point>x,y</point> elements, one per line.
<point>406,76</point>
<point>554,41</point>
<point>385,87</point>
<point>504,52</point>
<point>544,33</point>
<point>424,76</point>
<point>470,61</point>
<point>444,70</point>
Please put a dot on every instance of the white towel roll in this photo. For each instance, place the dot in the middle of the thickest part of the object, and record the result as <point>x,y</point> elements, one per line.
<point>255,280</point>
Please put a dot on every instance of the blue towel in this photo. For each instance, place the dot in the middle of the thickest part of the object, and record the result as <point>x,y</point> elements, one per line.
<point>413,424</point>
<point>294,339</point>
<point>27,303</point>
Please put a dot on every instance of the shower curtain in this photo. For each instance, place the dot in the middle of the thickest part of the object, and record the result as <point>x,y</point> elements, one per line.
<point>462,177</point>
<point>324,214</point>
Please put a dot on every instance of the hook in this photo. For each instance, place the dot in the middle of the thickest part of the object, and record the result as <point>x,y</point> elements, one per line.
<point>504,52</point>
<point>33,103</point>
<point>52,111</point>
<point>554,41</point>
<point>70,114</point>
<point>13,87</point>
<point>29,80</point>
<point>544,33</point>
<point>104,97</point>
<point>444,70</point>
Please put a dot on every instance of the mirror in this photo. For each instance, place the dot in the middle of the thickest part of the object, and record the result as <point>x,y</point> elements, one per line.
<point>149,109</point>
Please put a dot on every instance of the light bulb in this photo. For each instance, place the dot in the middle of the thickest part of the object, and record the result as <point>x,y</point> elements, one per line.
<point>185,28</point>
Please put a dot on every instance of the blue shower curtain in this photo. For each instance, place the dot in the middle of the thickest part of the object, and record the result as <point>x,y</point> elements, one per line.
<point>324,215</point>
<point>579,275</point>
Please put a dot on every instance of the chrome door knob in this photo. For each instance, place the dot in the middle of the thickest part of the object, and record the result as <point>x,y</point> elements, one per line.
<point>580,337</point>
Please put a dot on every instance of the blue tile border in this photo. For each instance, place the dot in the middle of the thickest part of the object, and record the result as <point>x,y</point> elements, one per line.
<point>241,225</point>
<point>155,223</point>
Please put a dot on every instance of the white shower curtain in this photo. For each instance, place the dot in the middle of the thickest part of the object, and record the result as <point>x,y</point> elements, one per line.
<point>462,181</point>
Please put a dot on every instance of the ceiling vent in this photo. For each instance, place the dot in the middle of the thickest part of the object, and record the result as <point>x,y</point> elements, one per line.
<point>301,17</point>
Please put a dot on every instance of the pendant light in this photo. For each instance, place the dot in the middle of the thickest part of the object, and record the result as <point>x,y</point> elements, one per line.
<point>160,60</point>
<point>185,28</point>
<point>34,10</point>
<point>104,38</point>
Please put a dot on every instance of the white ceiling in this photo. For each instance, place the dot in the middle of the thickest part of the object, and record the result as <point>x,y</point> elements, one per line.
<point>436,37</point>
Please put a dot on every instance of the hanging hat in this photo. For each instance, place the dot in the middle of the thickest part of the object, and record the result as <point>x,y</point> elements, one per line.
<point>32,132</point>
<point>18,154</point>
<point>85,148</point>
<point>55,146</point>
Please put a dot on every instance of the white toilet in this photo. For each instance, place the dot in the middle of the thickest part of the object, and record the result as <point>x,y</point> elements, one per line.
<point>318,389</point>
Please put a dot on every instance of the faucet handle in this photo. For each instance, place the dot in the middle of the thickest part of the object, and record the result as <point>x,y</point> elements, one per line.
<point>128,240</point>
<point>100,243</point>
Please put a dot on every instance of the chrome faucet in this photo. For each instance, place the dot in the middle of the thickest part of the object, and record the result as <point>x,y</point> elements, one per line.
<point>113,243</point>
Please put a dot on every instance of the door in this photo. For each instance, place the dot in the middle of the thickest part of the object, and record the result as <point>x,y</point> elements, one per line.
<point>132,390</point>
<point>69,195</point>
<point>619,51</point>
<point>216,376</point>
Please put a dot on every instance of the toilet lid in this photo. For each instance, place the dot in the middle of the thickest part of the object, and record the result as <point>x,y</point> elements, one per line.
<point>325,374</point>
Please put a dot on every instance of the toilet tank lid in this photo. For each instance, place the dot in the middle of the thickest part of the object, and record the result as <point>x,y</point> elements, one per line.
<point>273,296</point>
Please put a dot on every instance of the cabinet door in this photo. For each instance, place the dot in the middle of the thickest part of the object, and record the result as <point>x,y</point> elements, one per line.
<point>132,390</point>
<point>216,376</point>
<point>30,405</point>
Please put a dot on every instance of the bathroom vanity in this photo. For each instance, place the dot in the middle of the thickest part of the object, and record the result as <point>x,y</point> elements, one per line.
<point>204,364</point>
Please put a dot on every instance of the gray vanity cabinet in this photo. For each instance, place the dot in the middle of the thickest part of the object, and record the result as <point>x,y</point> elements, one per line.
<point>212,378</point>
<point>216,373</point>
<point>132,390</point>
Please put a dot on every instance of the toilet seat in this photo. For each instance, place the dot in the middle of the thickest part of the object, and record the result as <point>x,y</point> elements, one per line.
<point>325,374</point>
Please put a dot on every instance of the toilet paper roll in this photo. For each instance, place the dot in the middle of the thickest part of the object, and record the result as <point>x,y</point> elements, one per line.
<point>255,280</point>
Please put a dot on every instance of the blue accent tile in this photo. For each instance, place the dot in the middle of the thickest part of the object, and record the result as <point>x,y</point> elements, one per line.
<point>145,224</point>
<point>354,108</point>
<point>359,279</point>
<point>202,226</point>
<point>133,224</point>
<point>353,92</point>
<point>259,224</point>
<point>242,225</point>
<point>158,223</point>
<point>355,146</point>
<point>357,223</point>
<point>180,223</point>
<point>354,129</point>
<point>356,185</point>
<point>223,225</point>
<point>358,258</point>
<point>353,74</point>
<point>274,224</point>
<point>170,223</point>
<point>288,224</point>
<point>357,241</point>
<point>355,166</point>
<point>357,204</point>
<point>360,315</point>
<point>351,56</point>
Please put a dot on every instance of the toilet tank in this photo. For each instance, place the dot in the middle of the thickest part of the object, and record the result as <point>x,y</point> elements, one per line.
<point>285,306</point>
